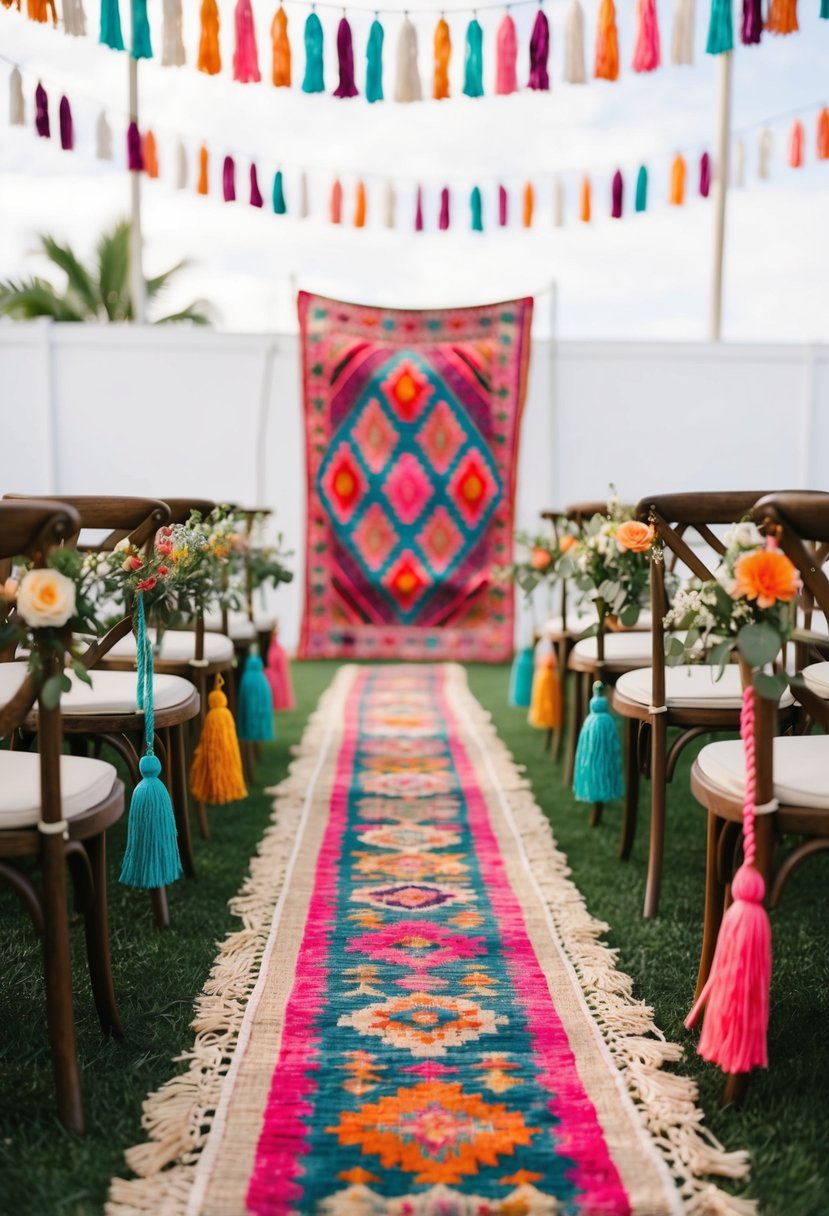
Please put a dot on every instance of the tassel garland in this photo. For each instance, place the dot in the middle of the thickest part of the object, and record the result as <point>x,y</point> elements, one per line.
<point>584,205</point>
<point>281,67</point>
<point>419,210</point>
<point>17,103</point>
<point>503,206</point>
<point>443,217</point>
<point>181,166</point>
<point>751,26</point>
<point>278,673</point>
<point>822,150</point>
<point>314,78</point>
<point>443,53</point>
<point>682,34</point>
<point>336,204</point>
<point>74,18</point>
<point>720,29</point>
<point>360,206</point>
<point>616,195</point>
<point>216,773</point>
<point>529,206</point>
<point>764,148</point>
<point>545,700</point>
<point>245,56</point>
<point>345,59</point>
<point>574,68</point>
<point>646,49</point>
<point>676,196</point>
<point>110,34</point>
<point>172,44</point>
<point>374,62</point>
<point>473,77</point>
<point>796,141</point>
<point>521,679</point>
<point>607,43</point>
<point>135,157</point>
<point>506,54</point>
<point>389,206</point>
<point>539,52</point>
<point>149,154</point>
<point>67,133</point>
<point>304,200</point>
<point>705,175</point>
<point>407,87</point>
<point>202,184</point>
<point>782,17</point>
<point>255,703</point>
<point>598,774</point>
<point>256,199</point>
<point>229,180</point>
<point>738,163</point>
<point>210,56</point>
<point>641,203</point>
<point>476,210</point>
<point>558,204</point>
<point>279,206</point>
<point>141,44</point>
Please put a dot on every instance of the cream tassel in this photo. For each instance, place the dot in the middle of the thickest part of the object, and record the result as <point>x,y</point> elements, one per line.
<point>389,206</point>
<point>574,69</point>
<point>181,167</point>
<point>738,164</point>
<point>558,203</point>
<point>764,149</point>
<point>304,202</point>
<point>682,34</point>
<point>74,18</point>
<point>172,52</point>
<point>407,87</point>
<point>103,138</point>
<point>17,104</point>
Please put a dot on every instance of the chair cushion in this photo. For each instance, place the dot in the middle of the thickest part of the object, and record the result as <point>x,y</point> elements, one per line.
<point>633,647</point>
<point>239,628</point>
<point>575,625</point>
<point>816,676</point>
<point>83,783</point>
<point>691,686</point>
<point>179,645</point>
<point>801,769</point>
<point>111,691</point>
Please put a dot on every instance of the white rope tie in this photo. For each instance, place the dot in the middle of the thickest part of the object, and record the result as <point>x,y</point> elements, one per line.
<point>199,662</point>
<point>767,808</point>
<point>657,709</point>
<point>61,827</point>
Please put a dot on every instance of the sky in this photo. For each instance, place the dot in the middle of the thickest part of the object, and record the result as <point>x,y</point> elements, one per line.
<point>644,277</point>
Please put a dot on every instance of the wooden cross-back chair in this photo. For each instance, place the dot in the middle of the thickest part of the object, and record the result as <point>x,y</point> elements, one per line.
<point>56,809</point>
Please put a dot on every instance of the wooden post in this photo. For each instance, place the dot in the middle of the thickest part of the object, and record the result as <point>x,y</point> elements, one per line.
<point>720,195</point>
<point>138,291</point>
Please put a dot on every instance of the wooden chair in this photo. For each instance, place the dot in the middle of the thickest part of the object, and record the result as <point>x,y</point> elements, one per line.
<point>55,809</point>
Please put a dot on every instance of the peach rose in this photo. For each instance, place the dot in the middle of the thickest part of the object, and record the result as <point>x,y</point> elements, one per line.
<point>766,576</point>
<point>634,536</point>
<point>540,558</point>
<point>567,543</point>
<point>46,598</point>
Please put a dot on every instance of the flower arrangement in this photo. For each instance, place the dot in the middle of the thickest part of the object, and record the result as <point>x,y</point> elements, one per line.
<point>538,556</point>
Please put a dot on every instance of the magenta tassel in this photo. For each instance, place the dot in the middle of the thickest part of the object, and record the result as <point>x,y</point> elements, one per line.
<point>705,175</point>
<point>617,191</point>
<point>245,57</point>
<point>646,51</point>
<point>135,157</point>
<point>506,52</point>
<point>751,28</point>
<point>503,206</point>
<point>345,56</point>
<point>256,199</point>
<point>229,180</point>
<point>419,211</point>
<point>67,133</point>
<point>539,52</point>
<point>278,672</point>
<point>41,112</point>
<point>443,218</point>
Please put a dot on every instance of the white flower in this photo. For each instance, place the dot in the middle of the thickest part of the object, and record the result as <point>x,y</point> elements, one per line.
<point>123,545</point>
<point>46,598</point>
<point>745,535</point>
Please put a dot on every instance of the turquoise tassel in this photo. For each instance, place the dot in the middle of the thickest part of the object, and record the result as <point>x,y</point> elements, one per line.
<point>111,25</point>
<point>374,68</point>
<point>642,189</point>
<point>141,45</point>
<point>476,207</point>
<point>599,776</point>
<point>473,77</point>
<point>720,28</point>
<point>521,678</point>
<point>279,207</point>
<point>255,703</point>
<point>314,81</point>
<point>824,9</point>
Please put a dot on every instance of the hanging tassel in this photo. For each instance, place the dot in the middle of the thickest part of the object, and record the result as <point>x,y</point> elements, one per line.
<point>202,185</point>
<point>407,87</point>
<point>39,10</point>
<point>796,141</point>
<point>738,164</point>
<point>558,203</point>
<point>574,69</point>
<point>255,703</point>
<point>443,217</point>
<point>256,199</point>
<point>304,200</point>
<point>476,209</point>
<point>598,775</point>
<point>720,29</point>
<point>374,63</point>
<point>617,190</point>
<point>682,34</point>
<point>641,203</point>
<point>345,60</point>
<point>149,154</point>
<point>545,700</point>
<point>782,17</point>
<point>646,49</point>
<point>607,43</point>
<point>473,68</point>
<point>419,211</point>
<point>314,79</point>
<point>210,55</point>
<point>824,10</point>
<point>151,858</point>
<point>42,112</point>
<point>216,773</point>
<point>172,43</point>
<point>443,53</point>
<point>764,150</point>
<point>503,206</point>
<point>676,196</point>
<point>181,166</point>
<point>823,135</point>
<point>278,672</point>
<point>17,103</point>
<point>67,133</point>
<point>529,206</point>
<point>736,995</point>
<point>751,26</point>
<point>74,18</point>
<point>110,34</point>
<point>539,52</point>
<point>705,175</point>
<point>390,206</point>
<point>281,71</point>
<point>521,679</point>
<point>141,44</point>
<point>229,180</point>
<point>584,206</point>
<point>245,55</point>
<point>359,206</point>
<point>336,206</point>
<point>279,207</point>
<point>103,138</point>
<point>506,54</point>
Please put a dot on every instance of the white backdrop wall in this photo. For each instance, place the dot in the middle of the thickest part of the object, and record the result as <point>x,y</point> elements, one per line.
<point>88,409</point>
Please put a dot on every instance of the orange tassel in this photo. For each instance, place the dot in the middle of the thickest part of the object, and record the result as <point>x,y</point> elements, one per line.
<point>782,18</point>
<point>607,43</point>
<point>40,10</point>
<point>529,205</point>
<point>443,53</point>
<point>796,139</point>
<point>584,209</point>
<point>281,50</point>
<point>150,153</point>
<point>210,57</point>
<point>676,196</point>
<point>360,207</point>
<point>823,134</point>
<point>336,209</point>
<point>202,185</point>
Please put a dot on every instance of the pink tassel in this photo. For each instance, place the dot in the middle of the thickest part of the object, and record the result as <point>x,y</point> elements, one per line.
<point>506,79</point>
<point>646,51</point>
<point>229,180</point>
<point>419,211</point>
<point>345,57</point>
<point>278,673</point>
<point>256,199</point>
<point>135,156</point>
<point>443,218</point>
<point>705,175</point>
<point>503,206</point>
<point>245,58</point>
<point>736,996</point>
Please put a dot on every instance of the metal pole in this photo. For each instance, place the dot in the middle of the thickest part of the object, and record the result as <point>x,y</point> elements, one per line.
<point>720,194</point>
<point>138,290</point>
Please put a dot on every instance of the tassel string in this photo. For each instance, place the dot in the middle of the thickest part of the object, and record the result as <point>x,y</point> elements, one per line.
<point>750,795</point>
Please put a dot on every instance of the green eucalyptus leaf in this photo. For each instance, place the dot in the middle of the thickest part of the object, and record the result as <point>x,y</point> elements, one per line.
<point>758,644</point>
<point>81,672</point>
<point>770,687</point>
<point>50,692</point>
<point>630,615</point>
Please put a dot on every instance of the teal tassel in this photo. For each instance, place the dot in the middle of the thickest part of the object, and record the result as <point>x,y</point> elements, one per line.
<point>824,9</point>
<point>111,25</point>
<point>599,776</point>
<point>720,28</point>
<point>141,45</point>
<point>476,208</point>
<point>279,207</point>
<point>521,678</point>
<point>374,68</point>
<point>473,77</point>
<point>255,703</point>
<point>314,81</point>
<point>642,189</point>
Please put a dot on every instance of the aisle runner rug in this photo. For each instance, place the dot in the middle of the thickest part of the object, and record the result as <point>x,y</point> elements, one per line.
<point>411,423</point>
<point>435,1027</point>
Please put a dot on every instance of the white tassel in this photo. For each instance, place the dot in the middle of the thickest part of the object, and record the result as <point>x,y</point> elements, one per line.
<point>74,18</point>
<point>389,206</point>
<point>558,203</point>
<point>408,87</point>
<point>682,35</point>
<point>172,50</point>
<point>17,104</point>
<point>764,154</point>
<point>181,167</point>
<point>738,164</point>
<point>103,138</point>
<point>574,69</point>
<point>304,201</point>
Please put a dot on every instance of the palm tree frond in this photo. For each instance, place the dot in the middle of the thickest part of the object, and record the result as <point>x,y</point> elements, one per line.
<point>113,254</point>
<point>80,282</point>
<point>197,313</point>
<point>26,299</point>
<point>156,286</point>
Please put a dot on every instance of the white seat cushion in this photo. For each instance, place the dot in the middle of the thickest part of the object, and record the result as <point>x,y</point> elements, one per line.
<point>816,676</point>
<point>83,784</point>
<point>111,691</point>
<point>628,647</point>
<point>239,628</point>
<point>801,769</point>
<point>692,686</point>
<point>577,624</point>
<point>179,645</point>
<point>817,624</point>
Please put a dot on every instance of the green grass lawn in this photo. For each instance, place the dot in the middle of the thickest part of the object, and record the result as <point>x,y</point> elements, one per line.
<point>44,1170</point>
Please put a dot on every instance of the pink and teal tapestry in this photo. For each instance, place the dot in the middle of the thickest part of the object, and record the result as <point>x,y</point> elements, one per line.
<point>412,422</point>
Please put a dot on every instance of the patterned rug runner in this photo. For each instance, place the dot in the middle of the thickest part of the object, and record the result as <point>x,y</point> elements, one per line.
<point>423,1036</point>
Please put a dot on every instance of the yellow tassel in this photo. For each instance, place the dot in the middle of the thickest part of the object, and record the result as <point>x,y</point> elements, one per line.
<point>281,50</point>
<point>676,196</point>
<point>545,704</point>
<point>216,773</point>
<point>443,51</point>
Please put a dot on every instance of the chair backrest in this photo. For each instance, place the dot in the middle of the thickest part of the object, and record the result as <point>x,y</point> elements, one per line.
<point>182,508</point>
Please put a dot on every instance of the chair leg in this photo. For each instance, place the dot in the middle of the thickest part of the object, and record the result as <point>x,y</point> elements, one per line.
<point>658,796</point>
<point>576,716</point>
<point>160,907</point>
<point>200,808</point>
<point>561,660</point>
<point>714,902</point>
<point>58,972</point>
<point>96,926</point>
<point>631,810</point>
<point>177,784</point>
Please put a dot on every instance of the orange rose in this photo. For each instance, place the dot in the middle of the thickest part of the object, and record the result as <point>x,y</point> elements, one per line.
<point>567,543</point>
<point>634,536</point>
<point>766,576</point>
<point>540,558</point>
